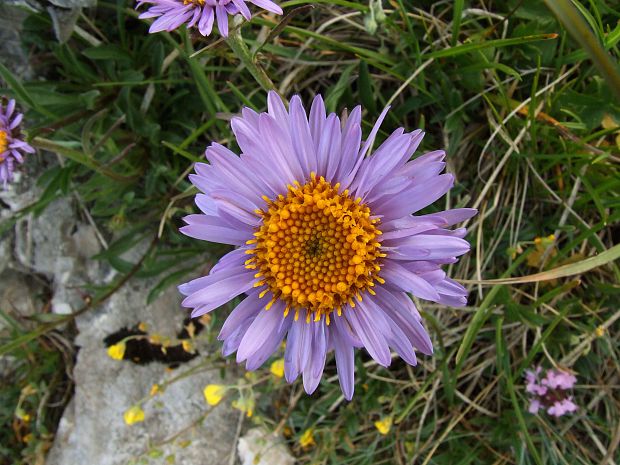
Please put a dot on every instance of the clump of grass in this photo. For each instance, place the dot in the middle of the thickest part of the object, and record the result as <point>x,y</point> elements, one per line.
<point>35,386</point>
<point>530,128</point>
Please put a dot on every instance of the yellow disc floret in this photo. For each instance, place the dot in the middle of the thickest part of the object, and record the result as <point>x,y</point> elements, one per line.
<point>4,143</point>
<point>316,249</point>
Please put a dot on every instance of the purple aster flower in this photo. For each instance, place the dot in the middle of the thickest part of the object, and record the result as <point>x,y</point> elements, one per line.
<point>11,145</point>
<point>171,14</point>
<point>328,248</point>
<point>548,391</point>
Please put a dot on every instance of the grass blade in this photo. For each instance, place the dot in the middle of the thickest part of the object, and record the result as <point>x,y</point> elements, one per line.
<point>572,269</point>
<point>577,26</point>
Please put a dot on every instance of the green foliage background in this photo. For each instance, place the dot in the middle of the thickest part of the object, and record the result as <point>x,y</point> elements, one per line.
<point>519,107</point>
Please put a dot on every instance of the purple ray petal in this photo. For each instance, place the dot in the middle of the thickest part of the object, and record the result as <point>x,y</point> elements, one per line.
<point>368,327</point>
<point>345,363</point>
<point>264,327</point>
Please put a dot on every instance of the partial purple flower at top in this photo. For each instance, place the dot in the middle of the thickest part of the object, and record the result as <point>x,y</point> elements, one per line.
<point>548,390</point>
<point>330,242</point>
<point>12,147</point>
<point>171,14</point>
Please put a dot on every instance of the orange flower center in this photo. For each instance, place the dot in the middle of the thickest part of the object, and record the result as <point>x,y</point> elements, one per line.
<point>194,2</point>
<point>316,249</point>
<point>4,144</point>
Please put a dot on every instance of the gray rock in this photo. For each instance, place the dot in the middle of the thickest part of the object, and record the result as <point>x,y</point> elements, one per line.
<point>58,245</point>
<point>64,15</point>
<point>63,21</point>
<point>74,3</point>
<point>6,255</point>
<point>19,294</point>
<point>260,447</point>
<point>12,53</point>
<point>92,430</point>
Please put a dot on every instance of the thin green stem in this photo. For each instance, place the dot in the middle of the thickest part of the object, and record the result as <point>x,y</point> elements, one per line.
<point>239,48</point>
<point>578,27</point>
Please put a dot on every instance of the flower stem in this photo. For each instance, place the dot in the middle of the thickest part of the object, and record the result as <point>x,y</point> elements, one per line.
<point>239,48</point>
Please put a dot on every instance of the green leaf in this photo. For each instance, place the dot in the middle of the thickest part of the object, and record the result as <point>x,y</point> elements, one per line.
<point>365,88</point>
<point>20,91</point>
<point>497,43</point>
<point>577,26</point>
<point>107,52</point>
<point>456,20</point>
<point>572,269</point>
<point>162,285</point>
<point>335,92</point>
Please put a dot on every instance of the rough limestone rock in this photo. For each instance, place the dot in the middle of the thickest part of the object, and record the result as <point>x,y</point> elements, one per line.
<point>5,250</point>
<point>260,447</point>
<point>12,54</point>
<point>92,430</point>
<point>51,253</point>
<point>58,245</point>
<point>18,294</point>
<point>63,13</point>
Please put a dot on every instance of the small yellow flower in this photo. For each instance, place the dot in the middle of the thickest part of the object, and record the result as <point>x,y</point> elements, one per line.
<point>22,415</point>
<point>155,389</point>
<point>384,425</point>
<point>28,438</point>
<point>29,390</point>
<point>117,351</point>
<point>277,368</point>
<point>246,405</point>
<point>250,376</point>
<point>214,393</point>
<point>134,415</point>
<point>609,123</point>
<point>191,329</point>
<point>543,247</point>
<point>307,438</point>
<point>142,327</point>
<point>187,346</point>
<point>599,331</point>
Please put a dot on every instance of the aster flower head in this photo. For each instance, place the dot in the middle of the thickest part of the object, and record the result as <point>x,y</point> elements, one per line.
<point>548,391</point>
<point>171,14</point>
<point>327,244</point>
<point>12,147</point>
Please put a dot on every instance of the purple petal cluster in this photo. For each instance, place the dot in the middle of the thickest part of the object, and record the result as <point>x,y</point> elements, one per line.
<point>548,391</point>
<point>282,147</point>
<point>202,14</point>
<point>12,147</point>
